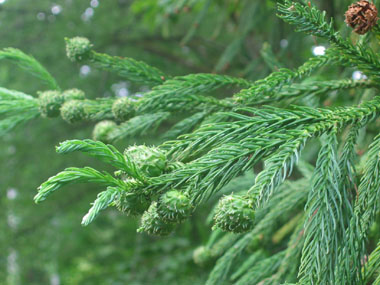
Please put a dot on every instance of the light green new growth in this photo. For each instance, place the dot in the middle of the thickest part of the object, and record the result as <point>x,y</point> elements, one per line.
<point>30,64</point>
<point>80,49</point>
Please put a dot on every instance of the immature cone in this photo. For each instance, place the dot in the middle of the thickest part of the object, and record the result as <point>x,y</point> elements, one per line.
<point>49,103</point>
<point>202,256</point>
<point>174,206</point>
<point>78,48</point>
<point>234,214</point>
<point>361,16</point>
<point>73,94</point>
<point>151,160</point>
<point>102,130</point>
<point>132,204</point>
<point>152,223</point>
<point>73,111</point>
<point>123,109</point>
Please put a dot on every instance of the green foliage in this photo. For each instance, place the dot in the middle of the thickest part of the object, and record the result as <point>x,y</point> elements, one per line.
<point>80,49</point>
<point>106,153</point>
<point>325,203</point>
<point>74,175</point>
<point>16,108</point>
<point>372,266</point>
<point>137,126</point>
<point>102,202</point>
<point>30,64</point>
<point>240,150</point>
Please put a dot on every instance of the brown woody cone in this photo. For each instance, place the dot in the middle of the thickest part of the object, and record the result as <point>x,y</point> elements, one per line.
<point>361,16</point>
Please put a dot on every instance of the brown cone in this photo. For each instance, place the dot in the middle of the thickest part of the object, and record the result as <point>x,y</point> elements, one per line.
<point>361,16</point>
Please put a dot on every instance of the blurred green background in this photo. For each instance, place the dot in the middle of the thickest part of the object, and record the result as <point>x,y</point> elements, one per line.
<point>46,244</point>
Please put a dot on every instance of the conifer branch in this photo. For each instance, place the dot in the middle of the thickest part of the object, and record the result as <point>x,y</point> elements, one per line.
<point>16,108</point>
<point>369,188</point>
<point>103,152</point>
<point>373,265</point>
<point>80,49</point>
<point>30,64</point>
<point>282,203</point>
<point>366,207</point>
<point>185,126</point>
<point>264,89</point>
<point>103,201</point>
<point>139,125</point>
<point>73,175</point>
<point>348,269</point>
<point>182,92</point>
<point>312,21</point>
<point>325,225</point>
<point>262,269</point>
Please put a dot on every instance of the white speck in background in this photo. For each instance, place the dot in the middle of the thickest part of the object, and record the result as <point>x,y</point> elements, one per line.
<point>319,50</point>
<point>11,193</point>
<point>358,75</point>
<point>85,70</point>
<point>56,9</point>
<point>284,43</point>
<point>40,16</point>
<point>88,14</point>
<point>94,3</point>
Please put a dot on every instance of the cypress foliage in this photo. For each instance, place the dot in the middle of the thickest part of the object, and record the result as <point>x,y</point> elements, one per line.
<point>318,221</point>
